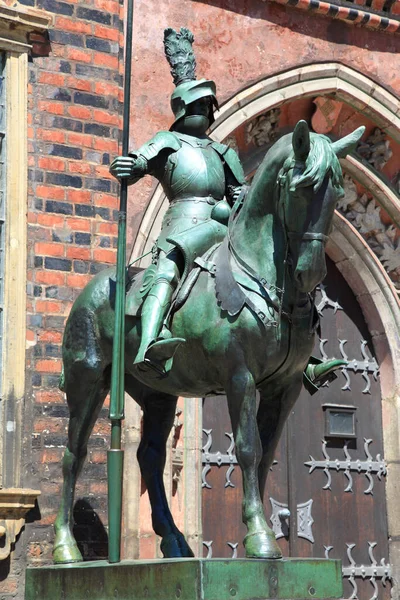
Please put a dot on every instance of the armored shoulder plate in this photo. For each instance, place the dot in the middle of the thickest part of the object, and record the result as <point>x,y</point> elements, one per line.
<point>163,140</point>
<point>232,160</point>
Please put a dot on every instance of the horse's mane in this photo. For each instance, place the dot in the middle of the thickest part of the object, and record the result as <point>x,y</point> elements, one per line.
<point>321,161</point>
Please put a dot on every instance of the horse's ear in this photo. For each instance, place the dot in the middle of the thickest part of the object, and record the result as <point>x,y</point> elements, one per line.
<point>301,141</point>
<point>348,144</point>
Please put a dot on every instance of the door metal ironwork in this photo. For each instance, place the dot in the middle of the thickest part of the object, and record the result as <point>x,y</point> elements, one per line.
<point>325,495</point>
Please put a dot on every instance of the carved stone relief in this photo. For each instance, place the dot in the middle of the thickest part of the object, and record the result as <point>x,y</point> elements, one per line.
<point>363,212</point>
<point>376,149</point>
<point>263,129</point>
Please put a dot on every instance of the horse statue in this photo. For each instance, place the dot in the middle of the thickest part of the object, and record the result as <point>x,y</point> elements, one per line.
<point>248,317</point>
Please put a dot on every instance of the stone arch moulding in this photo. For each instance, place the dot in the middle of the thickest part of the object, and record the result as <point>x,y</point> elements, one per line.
<point>360,267</point>
<point>346,84</point>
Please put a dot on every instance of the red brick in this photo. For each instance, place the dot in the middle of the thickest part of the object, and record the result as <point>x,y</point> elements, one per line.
<point>52,455</point>
<point>80,112</point>
<point>106,32</point>
<point>50,220</point>
<point>106,200</point>
<point>107,228</point>
<point>52,78</point>
<point>34,550</point>
<point>30,335</point>
<point>105,256</point>
<point>98,456</point>
<point>79,84</point>
<point>50,277</point>
<point>39,49</point>
<point>98,488</point>
<point>49,307</point>
<point>78,253</point>
<point>80,139</point>
<point>79,55</point>
<point>101,427</point>
<point>79,167</point>
<point>78,224</point>
<point>79,196</point>
<point>51,425</point>
<point>54,193</point>
<point>104,117</point>
<point>51,135</point>
<point>51,164</point>
<point>55,337</point>
<point>105,144</point>
<point>55,108</point>
<point>46,249</point>
<point>104,172</point>
<point>105,89</point>
<point>108,5</point>
<point>49,397</point>
<point>73,25</point>
<point>78,280</point>
<point>105,60</point>
<point>49,366</point>
<point>36,37</point>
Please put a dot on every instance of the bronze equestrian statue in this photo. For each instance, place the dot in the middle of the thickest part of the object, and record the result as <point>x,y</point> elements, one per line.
<point>226,308</point>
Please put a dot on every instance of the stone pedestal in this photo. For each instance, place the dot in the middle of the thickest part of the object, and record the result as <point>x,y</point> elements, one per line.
<point>188,579</point>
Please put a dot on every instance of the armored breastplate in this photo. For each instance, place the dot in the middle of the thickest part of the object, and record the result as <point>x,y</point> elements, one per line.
<point>194,171</point>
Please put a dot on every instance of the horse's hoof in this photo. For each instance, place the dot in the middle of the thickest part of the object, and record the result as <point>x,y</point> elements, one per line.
<point>174,545</point>
<point>66,553</point>
<point>261,545</point>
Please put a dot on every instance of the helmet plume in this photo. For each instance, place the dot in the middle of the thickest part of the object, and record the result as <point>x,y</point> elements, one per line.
<point>179,52</point>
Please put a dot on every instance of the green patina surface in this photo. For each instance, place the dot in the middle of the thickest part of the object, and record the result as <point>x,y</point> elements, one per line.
<point>188,579</point>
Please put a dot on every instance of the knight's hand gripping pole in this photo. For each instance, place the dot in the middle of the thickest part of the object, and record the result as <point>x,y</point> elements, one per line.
<point>115,458</point>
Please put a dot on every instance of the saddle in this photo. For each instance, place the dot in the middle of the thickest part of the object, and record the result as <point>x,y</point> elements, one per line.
<point>230,289</point>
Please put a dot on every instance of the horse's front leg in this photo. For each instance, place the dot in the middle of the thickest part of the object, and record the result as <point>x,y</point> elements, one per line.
<point>158,418</point>
<point>273,411</point>
<point>241,393</point>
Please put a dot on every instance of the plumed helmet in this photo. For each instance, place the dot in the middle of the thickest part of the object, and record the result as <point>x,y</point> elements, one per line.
<point>179,53</point>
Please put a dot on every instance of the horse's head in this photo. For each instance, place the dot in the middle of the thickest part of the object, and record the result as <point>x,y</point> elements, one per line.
<point>310,185</point>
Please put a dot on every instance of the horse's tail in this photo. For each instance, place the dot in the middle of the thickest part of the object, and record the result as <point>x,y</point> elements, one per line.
<point>61,383</point>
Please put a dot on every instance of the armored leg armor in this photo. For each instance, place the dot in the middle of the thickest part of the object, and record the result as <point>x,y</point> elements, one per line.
<point>153,351</point>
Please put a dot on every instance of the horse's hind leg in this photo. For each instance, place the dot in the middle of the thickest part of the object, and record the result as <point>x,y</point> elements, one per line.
<point>241,393</point>
<point>86,391</point>
<point>158,418</point>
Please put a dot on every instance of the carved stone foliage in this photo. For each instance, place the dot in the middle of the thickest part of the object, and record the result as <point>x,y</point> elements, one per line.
<point>363,212</point>
<point>231,141</point>
<point>376,149</point>
<point>263,129</point>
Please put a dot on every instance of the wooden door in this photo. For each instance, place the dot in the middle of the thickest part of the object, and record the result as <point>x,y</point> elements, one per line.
<point>329,469</point>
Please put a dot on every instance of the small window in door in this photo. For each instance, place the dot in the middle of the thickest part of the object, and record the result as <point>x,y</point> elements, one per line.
<point>340,421</point>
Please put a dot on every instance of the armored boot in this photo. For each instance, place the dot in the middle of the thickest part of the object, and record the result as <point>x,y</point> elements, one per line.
<point>154,352</point>
<point>318,372</point>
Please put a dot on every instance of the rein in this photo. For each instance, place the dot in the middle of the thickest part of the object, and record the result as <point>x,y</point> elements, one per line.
<point>301,236</point>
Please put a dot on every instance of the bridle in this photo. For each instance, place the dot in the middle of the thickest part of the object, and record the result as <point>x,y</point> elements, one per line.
<point>301,236</point>
<point>282,181</point>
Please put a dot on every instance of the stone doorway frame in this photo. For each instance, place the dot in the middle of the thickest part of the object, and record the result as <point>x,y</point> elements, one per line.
<point>359,265</point>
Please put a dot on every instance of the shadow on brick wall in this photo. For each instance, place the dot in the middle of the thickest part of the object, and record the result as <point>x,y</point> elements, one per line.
<point>89,532</point>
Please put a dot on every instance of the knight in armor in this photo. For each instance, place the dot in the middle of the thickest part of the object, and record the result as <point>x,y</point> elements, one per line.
<point>201,179</point>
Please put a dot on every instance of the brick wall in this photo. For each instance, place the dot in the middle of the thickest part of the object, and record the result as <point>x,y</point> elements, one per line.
<point>73,130</point>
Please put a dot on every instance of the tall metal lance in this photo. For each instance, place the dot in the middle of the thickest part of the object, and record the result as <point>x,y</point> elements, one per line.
<point>115,458</point>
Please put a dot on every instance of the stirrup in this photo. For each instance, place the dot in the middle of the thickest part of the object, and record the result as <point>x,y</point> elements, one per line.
<point>159,355</point>
<point>318,372</point>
